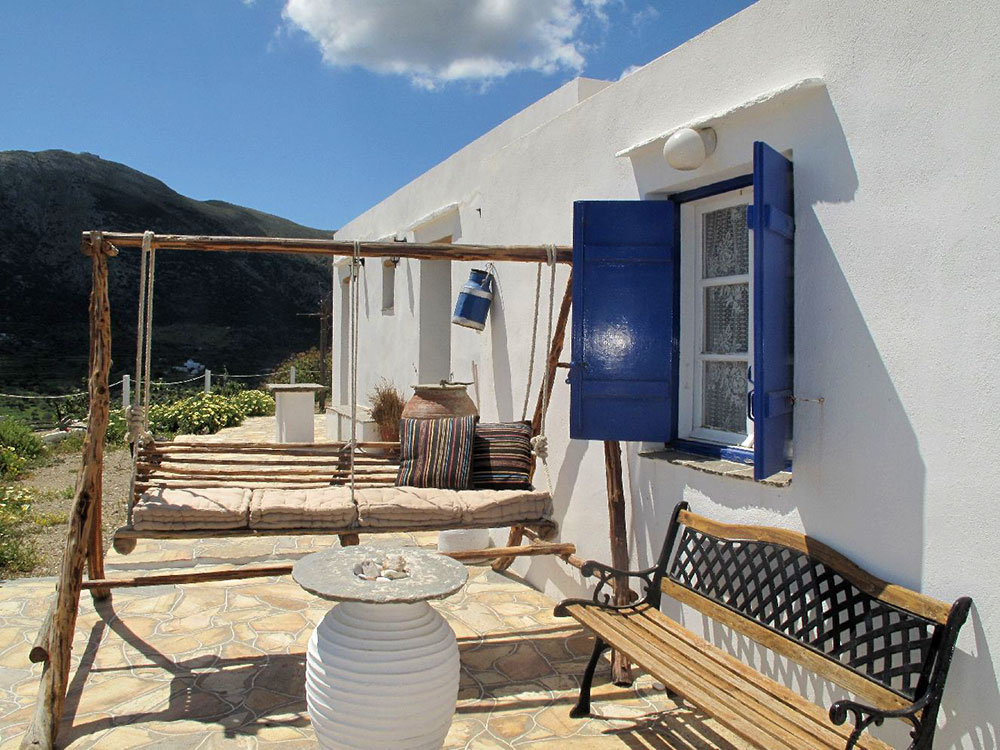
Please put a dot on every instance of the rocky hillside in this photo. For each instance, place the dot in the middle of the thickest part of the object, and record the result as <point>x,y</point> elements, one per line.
<point>226,310</point>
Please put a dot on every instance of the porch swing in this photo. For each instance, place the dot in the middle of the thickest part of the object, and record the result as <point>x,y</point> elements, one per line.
<point>192,489</point>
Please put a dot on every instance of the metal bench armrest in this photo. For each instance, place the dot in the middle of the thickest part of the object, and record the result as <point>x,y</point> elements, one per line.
<point>865,716</point>
<point>603,595</point>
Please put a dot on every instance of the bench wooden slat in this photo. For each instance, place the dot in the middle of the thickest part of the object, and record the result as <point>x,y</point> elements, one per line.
<point>841,675</point>
<point>749,704</point>
<point>890,593</point>
<point>724,707</point>
<point>727,672</point>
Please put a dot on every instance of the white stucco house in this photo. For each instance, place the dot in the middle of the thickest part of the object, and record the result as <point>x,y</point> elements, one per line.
<point>887,111</point>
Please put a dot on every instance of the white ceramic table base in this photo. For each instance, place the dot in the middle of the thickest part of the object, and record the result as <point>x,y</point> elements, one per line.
<point>382,676</point>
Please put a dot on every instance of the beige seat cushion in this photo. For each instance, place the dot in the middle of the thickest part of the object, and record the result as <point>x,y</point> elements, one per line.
<point>174,509</point>
<point>431,508</point>
<point>503,507</point>
<point>322,508</point>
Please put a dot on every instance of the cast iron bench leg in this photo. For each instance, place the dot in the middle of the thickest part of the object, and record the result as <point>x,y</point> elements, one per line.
<point>582,707</point>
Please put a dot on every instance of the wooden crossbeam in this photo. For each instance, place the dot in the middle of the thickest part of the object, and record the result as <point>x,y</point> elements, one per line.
<point>562,549</point>
<point>345,248</point>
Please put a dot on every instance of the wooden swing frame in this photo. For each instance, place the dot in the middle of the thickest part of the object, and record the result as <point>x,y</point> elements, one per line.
<point>84,539</point>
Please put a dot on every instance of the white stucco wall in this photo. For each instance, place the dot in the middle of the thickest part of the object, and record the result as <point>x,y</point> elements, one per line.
<point>897,326</point>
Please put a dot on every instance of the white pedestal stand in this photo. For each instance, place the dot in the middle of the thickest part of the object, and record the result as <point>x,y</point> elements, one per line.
<point>294,411</point>
<point>382,668</point>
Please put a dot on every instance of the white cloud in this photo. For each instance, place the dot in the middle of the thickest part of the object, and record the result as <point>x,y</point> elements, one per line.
<point>629,71</point>
<point>434,42</point>
<point>649,13</point>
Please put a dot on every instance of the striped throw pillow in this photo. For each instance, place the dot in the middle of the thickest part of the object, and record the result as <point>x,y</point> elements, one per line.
<point>436,452</point>
<point>501,456</point>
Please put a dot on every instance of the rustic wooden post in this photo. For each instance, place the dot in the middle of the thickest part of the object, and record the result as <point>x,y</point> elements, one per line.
<point>516,535</point>
<point>621,670</point>
<point>85,512</point>
<point>100,334</point>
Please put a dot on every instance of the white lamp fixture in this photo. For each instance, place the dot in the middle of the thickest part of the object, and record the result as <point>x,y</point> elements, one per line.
<point>687,148</point>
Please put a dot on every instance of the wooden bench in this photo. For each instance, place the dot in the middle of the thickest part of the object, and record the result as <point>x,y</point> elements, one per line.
<point>887,645</point>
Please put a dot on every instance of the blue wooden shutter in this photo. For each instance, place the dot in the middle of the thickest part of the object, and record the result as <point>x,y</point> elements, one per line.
<point>771,219</point>
<point>625,312</point>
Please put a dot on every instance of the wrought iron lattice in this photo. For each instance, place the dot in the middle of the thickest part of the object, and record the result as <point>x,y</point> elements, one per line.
<point>802,599</point>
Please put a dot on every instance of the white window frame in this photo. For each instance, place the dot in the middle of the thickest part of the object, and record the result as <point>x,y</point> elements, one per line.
<point>692,319</point>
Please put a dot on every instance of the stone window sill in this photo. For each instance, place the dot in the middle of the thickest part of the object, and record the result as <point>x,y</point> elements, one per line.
<point>717,466</point>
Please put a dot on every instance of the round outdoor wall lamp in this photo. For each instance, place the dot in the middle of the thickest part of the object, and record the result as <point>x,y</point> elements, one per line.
<point>687,148</point>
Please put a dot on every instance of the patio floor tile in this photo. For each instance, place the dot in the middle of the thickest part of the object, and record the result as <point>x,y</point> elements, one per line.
<point>221,665</point>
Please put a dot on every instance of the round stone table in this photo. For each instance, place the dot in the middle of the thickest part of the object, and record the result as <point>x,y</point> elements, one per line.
<point>382,666</point>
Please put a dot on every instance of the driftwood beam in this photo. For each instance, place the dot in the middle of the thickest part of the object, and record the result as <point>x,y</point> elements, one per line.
<point>268,571</point>
<point>345,248</point>
<point>40,649</point>
<point>621,670</point>
<point>555,350</point>
<point>44,726</point>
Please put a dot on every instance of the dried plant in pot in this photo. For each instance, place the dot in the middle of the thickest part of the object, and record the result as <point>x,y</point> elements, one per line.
<point>387,406</point>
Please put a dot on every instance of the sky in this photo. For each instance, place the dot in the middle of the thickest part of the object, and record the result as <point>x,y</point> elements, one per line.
<point>313,110</point>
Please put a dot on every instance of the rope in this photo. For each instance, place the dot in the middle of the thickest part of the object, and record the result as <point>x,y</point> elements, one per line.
<point>355,310</point>
<point>534,334</point>
<point>540,443</point>
<point>61,395</point>
<point>136,416</point>
<point>135,408</point>
<point>148,236</point>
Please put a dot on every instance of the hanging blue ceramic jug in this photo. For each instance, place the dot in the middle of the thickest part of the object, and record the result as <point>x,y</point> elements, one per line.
<point>474,300</point>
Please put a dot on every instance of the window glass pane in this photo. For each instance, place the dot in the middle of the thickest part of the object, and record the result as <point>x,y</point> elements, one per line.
<point>727,315</point>
<point>726,242</point>
<point>724,390</point>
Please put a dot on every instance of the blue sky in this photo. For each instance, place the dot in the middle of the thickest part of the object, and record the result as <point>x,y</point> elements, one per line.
<point>310,109</point>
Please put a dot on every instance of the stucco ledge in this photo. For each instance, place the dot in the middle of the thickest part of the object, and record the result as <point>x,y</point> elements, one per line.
<point>717,466</point>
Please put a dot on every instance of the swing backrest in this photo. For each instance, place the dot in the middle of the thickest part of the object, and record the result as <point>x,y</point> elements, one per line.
<point>193,464</point>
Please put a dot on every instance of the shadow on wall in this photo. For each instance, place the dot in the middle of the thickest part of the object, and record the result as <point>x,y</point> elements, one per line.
<point>971,674</point>
<point>859,477</point>
<point>500,354</point>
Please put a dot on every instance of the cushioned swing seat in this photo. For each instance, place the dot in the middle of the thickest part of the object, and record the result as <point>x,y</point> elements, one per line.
<point>175,508</point>
<point>331,508</point>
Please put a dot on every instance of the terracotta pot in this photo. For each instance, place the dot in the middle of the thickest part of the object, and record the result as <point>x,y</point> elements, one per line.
<point>436,401</point>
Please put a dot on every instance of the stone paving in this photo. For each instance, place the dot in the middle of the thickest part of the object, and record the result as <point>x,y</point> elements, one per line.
<point>221,665</point>
<point>258,430</point>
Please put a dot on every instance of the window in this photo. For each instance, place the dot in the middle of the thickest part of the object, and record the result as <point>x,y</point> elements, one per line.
<point>682,324</point>
<point>389,286</point>
<point>716,325</point>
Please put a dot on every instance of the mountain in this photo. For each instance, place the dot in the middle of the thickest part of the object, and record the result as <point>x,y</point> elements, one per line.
<point>237,311</point>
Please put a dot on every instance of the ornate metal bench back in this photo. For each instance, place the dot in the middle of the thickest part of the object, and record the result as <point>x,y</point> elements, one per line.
<point>805,600</point>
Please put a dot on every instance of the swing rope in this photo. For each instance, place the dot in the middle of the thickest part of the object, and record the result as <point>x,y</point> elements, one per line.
<point>137,414</point>
<point>534,336</point>
<point>540,442</point>
<point>354,309</point>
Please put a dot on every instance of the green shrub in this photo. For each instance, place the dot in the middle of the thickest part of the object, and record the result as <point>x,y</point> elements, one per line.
<point>117,428</point>
<point>228,387</point>
<point>254,403</point>
<point>308,366</point>
<point>17,551</point>
<point>18,446</point>
<point>17,435</point>
<point>163,418</point>
<point>203,413</point>
<point>11,464</point>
